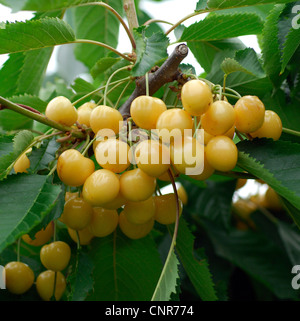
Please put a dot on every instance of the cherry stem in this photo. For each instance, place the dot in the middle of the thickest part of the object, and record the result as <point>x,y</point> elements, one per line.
<point>291,132</point>
<point>54,287</point>
<point>101,44</point>
<point>157,21</point>
<point>98,89</point>
<point>78,241</point>
<point>147,83</point>
<point>173,243</point>
<point>109,80</point>
<point>18,249</point>
<point>112,10</point>
<point>123,92</point>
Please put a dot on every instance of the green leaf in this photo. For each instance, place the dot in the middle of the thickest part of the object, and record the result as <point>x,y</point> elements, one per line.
<point>270,44</point>
<point>34,34</point>
<point>80,277</point>
<point>17,146</point>
<point>25,200</point>
<point>102,65</point>
<point>197,271</point>
<point>45,5</point>
<point>245,61</point>
<point>149,50</point>
<point>221,26</point>
<point>244,83</point>
<point>42,156</point>
<point>287,110</point>
<point>124,269</point>
<point>212,200</point>
<point>201,5</point>
<point>24,72</point>
<point>256,254</point>
<point>168,282</point>
<point>290,46</point>
<point>221,4</point>
<point>205,51</point>
<point>96,23</point>
<point>275,162</point>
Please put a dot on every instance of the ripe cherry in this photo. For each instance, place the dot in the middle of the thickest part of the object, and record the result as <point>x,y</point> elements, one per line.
<point>112,154</point>
<point>103,222</point>
<point>84,113</point>
<point>136,185</point>
<point>140,212</point>
<point>152,157</point>
<point>45,285</point>
<point>219,118</point>
<point>222,153</point>
<point>166,208</point>
<point>73,168</point>
<point>61,110</point>
<point>249,114</point>
<point>77,213</point>
<point>173,122</point>
<point>19,277</point>
<point>196,97</point>
<point>134,231</point>
<point>55,256</point>
<point>101,187</point>
<point>103,117</point>
<point>271,127</point>
<point>145,111</point>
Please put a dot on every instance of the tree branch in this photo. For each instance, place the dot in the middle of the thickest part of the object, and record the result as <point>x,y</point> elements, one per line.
<point>168,72</point>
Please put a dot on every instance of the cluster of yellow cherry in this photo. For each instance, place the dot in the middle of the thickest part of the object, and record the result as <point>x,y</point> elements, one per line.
<point>195,140</point>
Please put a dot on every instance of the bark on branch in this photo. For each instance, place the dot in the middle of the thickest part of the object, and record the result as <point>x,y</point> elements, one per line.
<point>167,73</point>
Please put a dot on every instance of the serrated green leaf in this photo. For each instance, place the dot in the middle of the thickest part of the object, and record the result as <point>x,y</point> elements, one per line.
<point>197,271</point>
<point>18,145</point>
<point>96,23</point>
<point>287,111</point>
<point>45,5</point>
<point>275,162</point>
<point>244,61</point>
<point>125,270</point>
<point>256,254</point>
<point>168,282</point>
<point>221,26</point>
<point>201,5</point>
<point>34,34</point>
<point>149,50</point>
<point>244,83</point>
<point>205,51</point>
<point>290,46</point>
<point>221,4</point>
<point>80,277</point>
<point>9,74</point>
<point>24,72</point>
<point>102,65</point>
<point>25,200</point>
<point>42,156</point>
<point>270,44</point>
